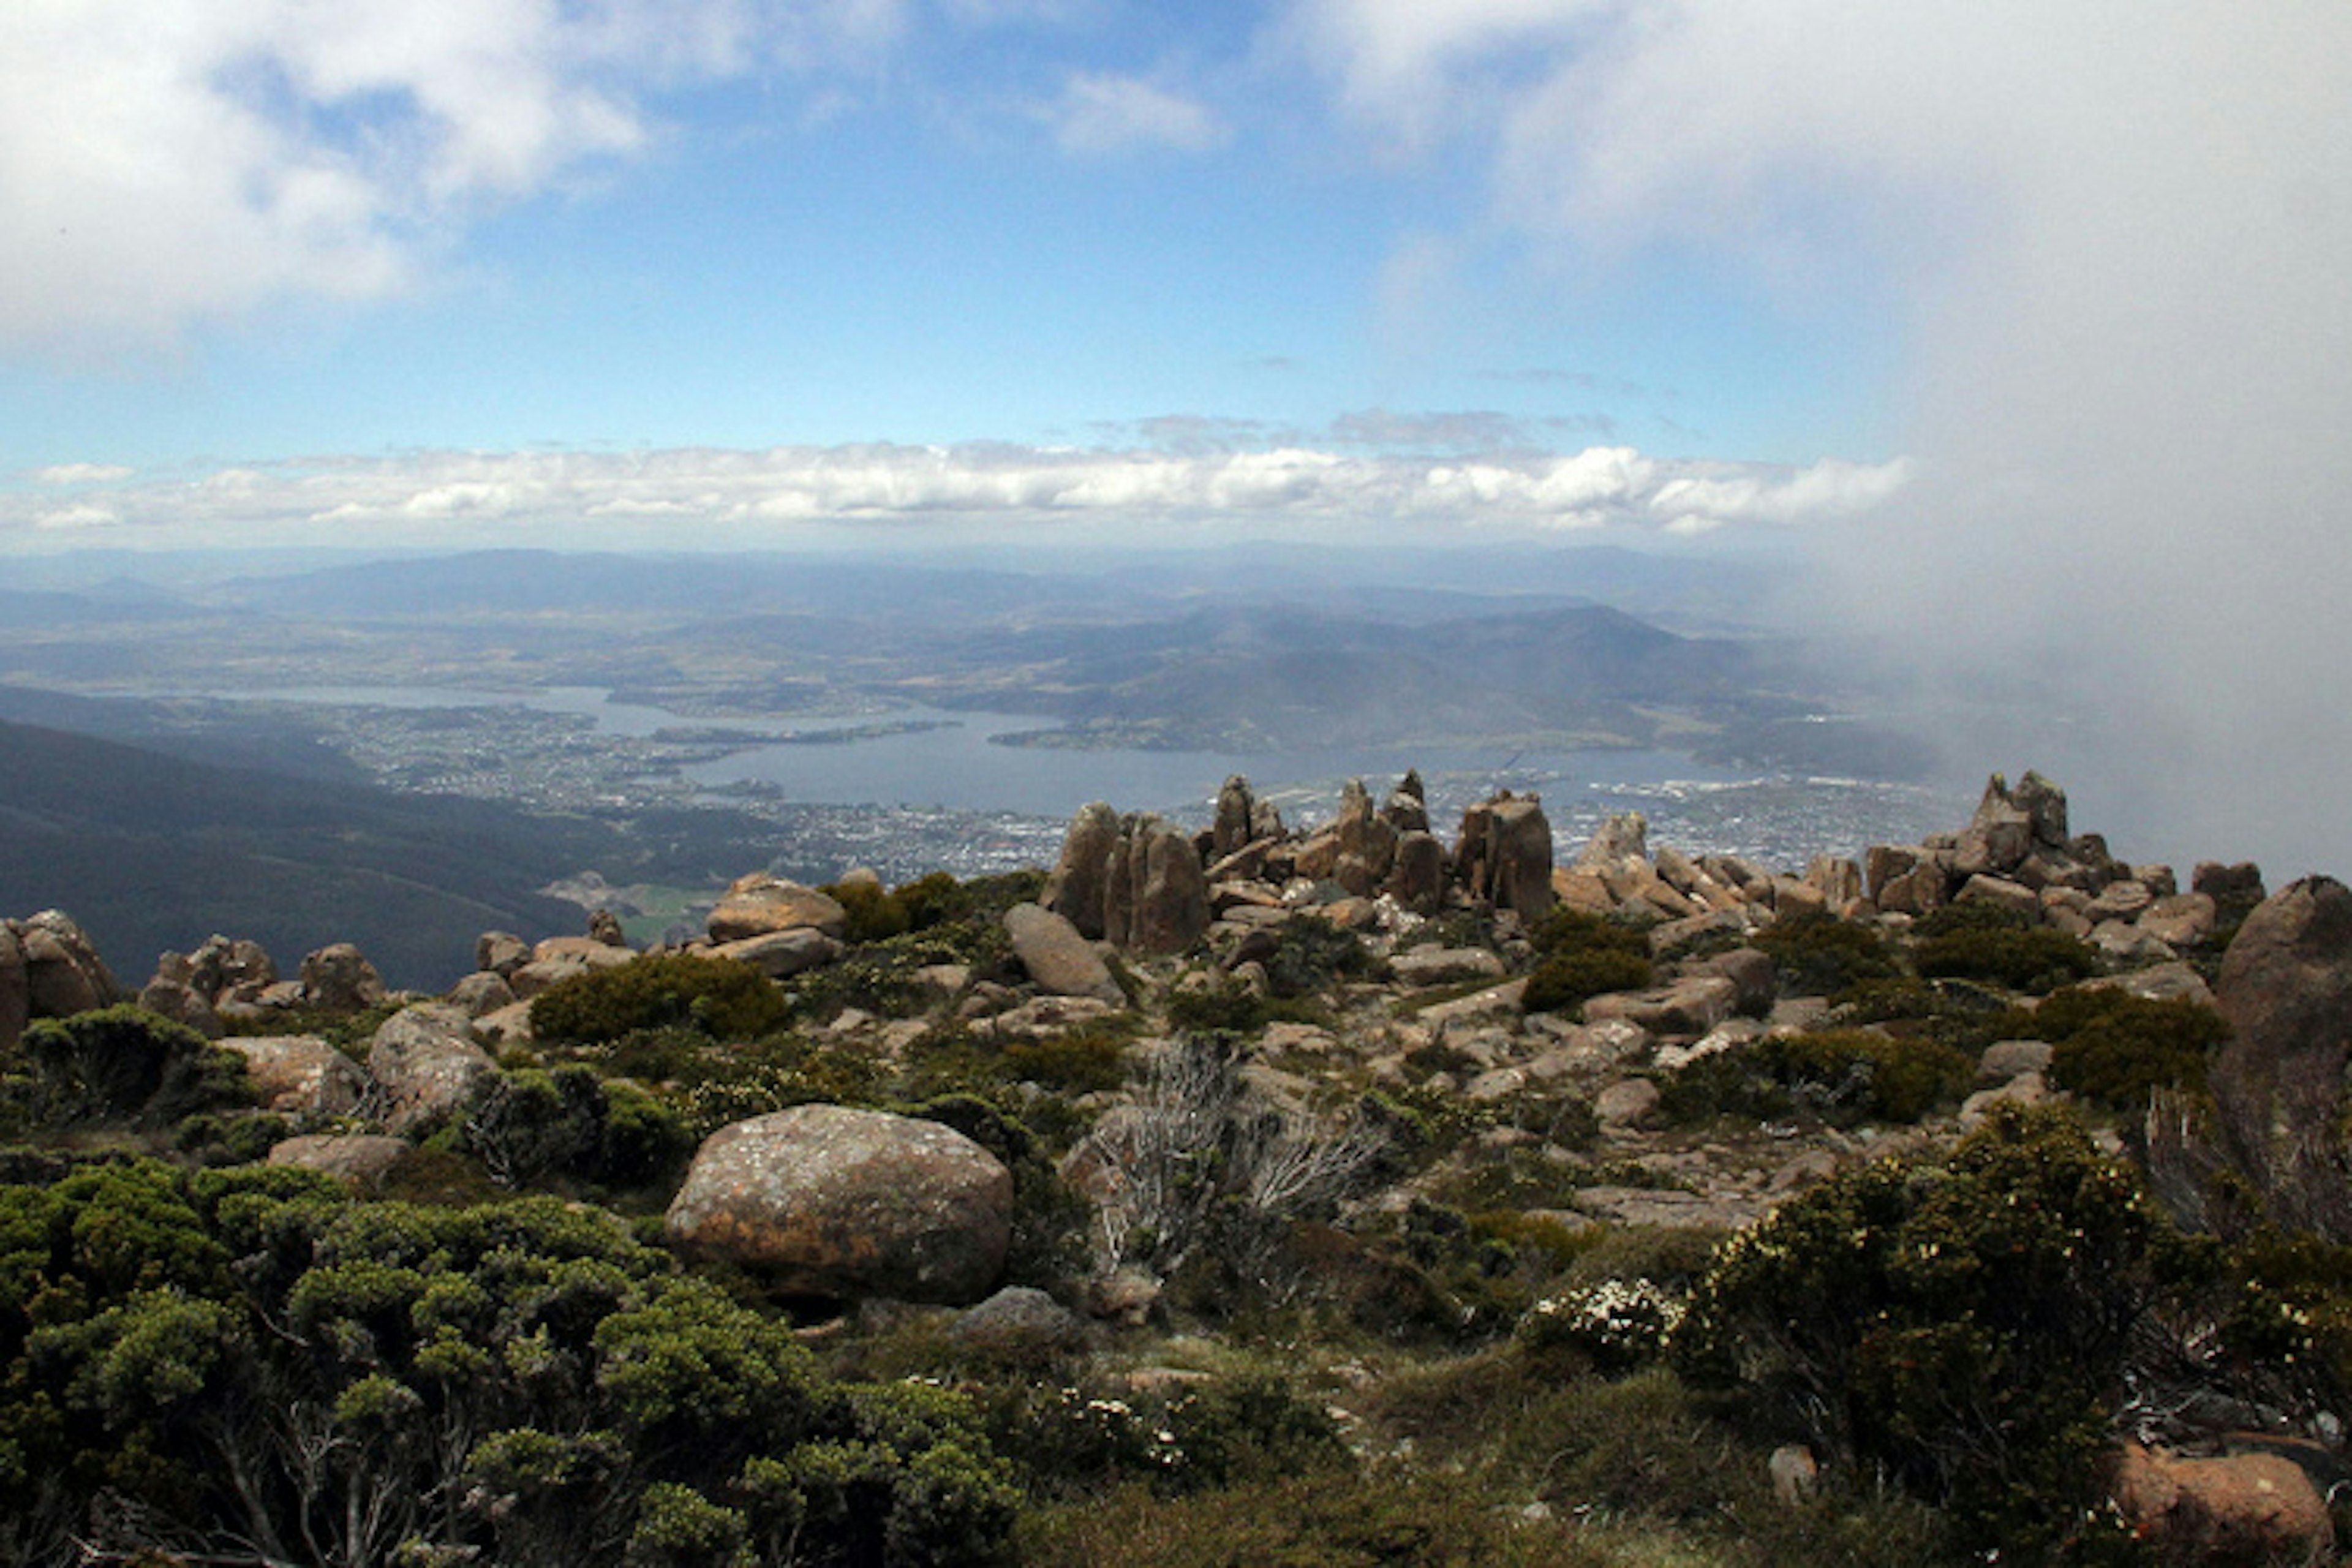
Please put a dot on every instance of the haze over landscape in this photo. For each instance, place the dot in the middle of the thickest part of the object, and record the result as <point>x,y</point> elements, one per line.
<point>2010,343</point>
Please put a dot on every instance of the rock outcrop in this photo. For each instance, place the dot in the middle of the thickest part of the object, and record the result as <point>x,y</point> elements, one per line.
<point>2286,989</point>
<point>827,1200</point>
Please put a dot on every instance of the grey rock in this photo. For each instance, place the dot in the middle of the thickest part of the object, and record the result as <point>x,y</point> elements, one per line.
<point>360,1161</point>
<point>2286,989</point>
<point>1446,965</point>
<point>1057,957</point>
<point>338,979</point>
<point>779,955</point>
<point>500,952</point>
<point>828,1200</point>
<point>1078,887</point>
<point>483,992</point>
<point>301,1075</point>
<point>763,902</point>
<point>2005,1059</point>
<point>424,1059</point>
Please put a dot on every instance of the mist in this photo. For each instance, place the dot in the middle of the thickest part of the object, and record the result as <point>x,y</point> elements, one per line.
<point>2109,240</point>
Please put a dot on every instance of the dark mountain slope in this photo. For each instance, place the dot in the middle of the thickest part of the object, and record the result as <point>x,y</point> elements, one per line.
<point>151,851</point>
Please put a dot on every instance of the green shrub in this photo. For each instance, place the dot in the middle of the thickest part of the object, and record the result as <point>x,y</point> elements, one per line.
<point>528,1124</point>
<point>1581,956</point>
<point>1985,941</point>
<point>1224,1006</point>
<point>1313,955</point>
<point>2116,1049</point>
<point>1961,1324</point>
<point>126,1065</point>
<point>1570,979</point>
<point>1819,955</point>
<point>717,996</point>
<point>1841,1076</point>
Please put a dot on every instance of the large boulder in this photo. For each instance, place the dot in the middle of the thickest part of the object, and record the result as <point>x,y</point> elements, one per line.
<point>1169,889</point>
<point>2286,989</point>
<point>828,1200</point>
<point>780,954</point>
<point>301,1075</point>
<point>426,1060</point>
<point>1057,958</point>
<point>761,902</point>
<point>2226,1509</point>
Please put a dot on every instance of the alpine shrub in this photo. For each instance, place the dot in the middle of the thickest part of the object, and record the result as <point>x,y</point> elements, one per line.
<point>718,997</point>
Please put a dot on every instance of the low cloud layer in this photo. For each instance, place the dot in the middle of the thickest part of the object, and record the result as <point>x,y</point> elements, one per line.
<point>694,497</point>
<point>2113,235</point>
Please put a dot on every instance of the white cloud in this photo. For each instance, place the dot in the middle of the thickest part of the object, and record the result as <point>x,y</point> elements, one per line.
<point>81,474</point>
<point>167,162</point>
<point>690,496</point>
<point>1103,114</point>
<point>2114,234</point>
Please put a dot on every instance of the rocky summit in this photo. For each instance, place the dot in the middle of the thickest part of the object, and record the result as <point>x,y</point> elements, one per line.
<point>1655,1201</point>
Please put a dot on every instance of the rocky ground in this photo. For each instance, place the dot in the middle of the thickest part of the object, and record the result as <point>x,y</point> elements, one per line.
<point>1195,1081</point>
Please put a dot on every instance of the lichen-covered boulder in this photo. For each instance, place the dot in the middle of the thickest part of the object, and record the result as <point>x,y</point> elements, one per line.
<point>827,1201</point>
<point>63,972</point>
<point>2286,988</point>
<point>301,1075</point>
<point>427,1062</point>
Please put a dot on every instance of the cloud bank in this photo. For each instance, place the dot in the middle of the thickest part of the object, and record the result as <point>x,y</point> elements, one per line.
<point>703,496</point>
<point>2115,235</point>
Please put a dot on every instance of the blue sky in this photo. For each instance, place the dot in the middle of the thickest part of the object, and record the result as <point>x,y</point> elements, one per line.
<point>1066,224</point>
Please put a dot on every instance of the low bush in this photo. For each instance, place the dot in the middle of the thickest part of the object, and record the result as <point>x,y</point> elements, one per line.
<point>122,1065</point>
<point>1841,1076</point>
<point>1312,954</point>
<point>1570,979</point>
<point>1986,941</point>
<point>2115,1049</point>
<point>716,996</point>
<point>1581,956</point>
<point>1962,1324</point>
<point>1820,956</point>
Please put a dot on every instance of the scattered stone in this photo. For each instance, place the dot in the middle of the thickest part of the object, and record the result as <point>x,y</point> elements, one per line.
<point>780,954</point>
<point>1796,1474</point>
<point>1628,1103</point>
<point>501,952</point>
<point>1446,965</point>
<point>2184,920</point>
<point>360,1161</point>
<point>1019,1322</point>
<point>2004,1060</point>
<point>1057,957</point>
<point>763,902</point>
<point>829,1201</point>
